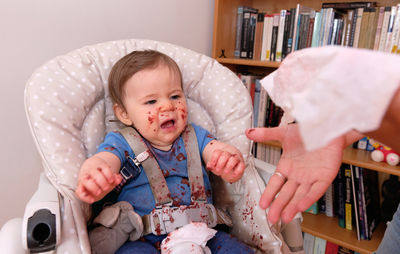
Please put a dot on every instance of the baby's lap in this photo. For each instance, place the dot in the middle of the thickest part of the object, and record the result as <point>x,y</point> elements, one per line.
<point>221,243</point>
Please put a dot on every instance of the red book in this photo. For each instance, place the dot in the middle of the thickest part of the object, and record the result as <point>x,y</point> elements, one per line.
<point>331,248</point>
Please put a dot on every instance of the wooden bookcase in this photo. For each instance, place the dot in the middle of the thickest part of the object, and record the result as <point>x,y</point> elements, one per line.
<point>225,12</point>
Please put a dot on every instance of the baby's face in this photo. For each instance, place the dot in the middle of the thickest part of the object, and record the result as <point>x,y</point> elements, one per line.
<point>155,105</point>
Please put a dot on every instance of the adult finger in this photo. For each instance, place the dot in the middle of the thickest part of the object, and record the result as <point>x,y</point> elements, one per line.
<point>291,208</point>
<point>274,185</point>
<point>280,202</point>
<point>264,134</point>
<point>316,191</point>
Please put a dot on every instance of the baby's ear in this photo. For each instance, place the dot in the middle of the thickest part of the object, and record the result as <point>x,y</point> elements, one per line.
<point>122,115</point>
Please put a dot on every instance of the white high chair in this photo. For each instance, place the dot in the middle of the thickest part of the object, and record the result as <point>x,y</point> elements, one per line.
<point>69,113</point>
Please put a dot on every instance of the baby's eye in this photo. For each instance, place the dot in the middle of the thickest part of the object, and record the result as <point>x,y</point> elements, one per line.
<point>175,97</point>
<point>150,102</point>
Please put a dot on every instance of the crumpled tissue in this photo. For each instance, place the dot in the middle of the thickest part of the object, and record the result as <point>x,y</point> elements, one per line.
<point>331,90</point>
<point>182,239</point>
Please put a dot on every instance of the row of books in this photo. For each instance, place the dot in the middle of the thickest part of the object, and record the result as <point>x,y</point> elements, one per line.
<point>265,114</point>
<point>316,245</point>
<point>354,199</point>
<point>271,37</point>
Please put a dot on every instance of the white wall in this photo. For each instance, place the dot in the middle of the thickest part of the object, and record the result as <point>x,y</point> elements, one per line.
<point>33,32</point>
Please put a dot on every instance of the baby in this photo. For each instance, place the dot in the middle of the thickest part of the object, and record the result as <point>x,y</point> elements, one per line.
<point>147,95</point>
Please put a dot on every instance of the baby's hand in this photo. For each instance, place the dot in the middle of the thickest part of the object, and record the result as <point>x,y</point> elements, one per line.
<point>95,180</point>
<point>227,165</point>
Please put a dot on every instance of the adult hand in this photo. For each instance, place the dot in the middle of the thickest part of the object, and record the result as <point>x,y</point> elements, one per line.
<point>303,175</point>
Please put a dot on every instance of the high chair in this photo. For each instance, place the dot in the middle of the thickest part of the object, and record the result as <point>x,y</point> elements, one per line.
<point>69,112</point>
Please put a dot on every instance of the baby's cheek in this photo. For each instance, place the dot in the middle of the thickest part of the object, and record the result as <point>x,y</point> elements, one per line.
<point>151,119</point>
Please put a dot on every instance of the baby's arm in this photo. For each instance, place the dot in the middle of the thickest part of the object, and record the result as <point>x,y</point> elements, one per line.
<point>98,175</point>
<point>224,160</point>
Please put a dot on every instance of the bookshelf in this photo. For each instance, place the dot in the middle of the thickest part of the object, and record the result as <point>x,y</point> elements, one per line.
<point>225,13</point>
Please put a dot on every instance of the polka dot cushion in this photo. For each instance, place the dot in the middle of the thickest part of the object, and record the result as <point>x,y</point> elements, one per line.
<point>69,112</point>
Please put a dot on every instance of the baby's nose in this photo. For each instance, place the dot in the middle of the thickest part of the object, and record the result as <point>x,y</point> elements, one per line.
<point>167,106</point>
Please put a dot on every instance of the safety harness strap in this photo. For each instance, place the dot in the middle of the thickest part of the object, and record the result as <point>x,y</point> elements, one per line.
<point>195,171</point>
<point>150,166</point>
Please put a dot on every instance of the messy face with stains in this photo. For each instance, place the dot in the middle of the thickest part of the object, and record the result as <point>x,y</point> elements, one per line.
<point>154,103</point>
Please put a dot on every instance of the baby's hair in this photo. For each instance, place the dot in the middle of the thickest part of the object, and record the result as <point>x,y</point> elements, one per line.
<point>132,63</point>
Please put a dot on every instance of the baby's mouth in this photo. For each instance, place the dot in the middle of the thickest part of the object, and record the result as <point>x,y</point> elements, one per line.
<point>167,124</point>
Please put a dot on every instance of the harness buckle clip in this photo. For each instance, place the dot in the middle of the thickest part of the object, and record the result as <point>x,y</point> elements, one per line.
<point>166,219</point>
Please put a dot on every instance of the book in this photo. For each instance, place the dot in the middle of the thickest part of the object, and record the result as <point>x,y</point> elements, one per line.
<point>340,189</point>
<point>371,190</point>
<point>348,5</point>
<point>389,34</point>
<point>329,201</point>
<point>344,250</point>
<point>361,203</point>
<point>354,185</point>
<point>353,28</point>
<point>362,40</point>
<point>348,198</point>
<point>379,28</point>
<point>286,33</point>
<point>385,24</point>
<point>247,26</point>
<point>279,42</point>
<point>331,248</point>
<point>238,38</point>
<point>267,36</point>
<point>291,31</point>
<point>300,9</point>
<point>371,30</point>
<point>253,23</point>
<point>258,36</point>
<point>396,30</point>
<point>256,102</point>
<point>359,15</point>
<point>319,245</point>
<point>349,22</point>
<point>316,30</point>
<point>308,243</point>
<point>274,38</point>
<point>313,209</point>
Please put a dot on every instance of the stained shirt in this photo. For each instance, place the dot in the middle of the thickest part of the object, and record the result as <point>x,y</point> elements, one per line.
<point>173,164</point>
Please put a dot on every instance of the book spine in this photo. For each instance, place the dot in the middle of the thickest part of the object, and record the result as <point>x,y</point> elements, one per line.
<point>291,31</point>
<point>310,31</point>
<point>239,23</point>
<point>341,191</point>
<point>286,34</point>
<point>361,205</point>
<point>267,36</point>
<point>274,37</point>
<point>349,5</point>
<point>385,25</point>
<point>316,30</point>
<point>354,185</point>
<point>348,203</point>
<point>389,34</point>
<point>295,26</point>
<point>319,245</point>
<point>258,36</point>
<point>396,30</point>
<point>309,240</point>
<point>379,28</point>
<point>279,42</point>
<point>252,35</point>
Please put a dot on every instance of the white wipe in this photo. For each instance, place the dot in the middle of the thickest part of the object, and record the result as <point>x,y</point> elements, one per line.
<point>331,90</point>
<point>182,239</point>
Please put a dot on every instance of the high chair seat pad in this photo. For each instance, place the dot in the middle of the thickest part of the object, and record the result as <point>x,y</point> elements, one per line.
<point>69,112</point>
